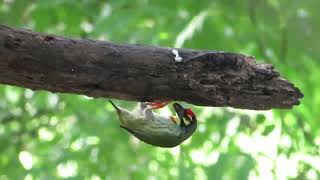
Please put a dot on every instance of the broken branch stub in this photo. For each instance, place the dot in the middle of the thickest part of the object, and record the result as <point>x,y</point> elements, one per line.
<point>140,73</point>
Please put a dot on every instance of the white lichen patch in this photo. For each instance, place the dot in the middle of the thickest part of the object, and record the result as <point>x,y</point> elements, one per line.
<point>177,57</point>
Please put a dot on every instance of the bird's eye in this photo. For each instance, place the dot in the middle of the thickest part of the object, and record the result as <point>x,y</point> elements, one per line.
<point>186,121</point>
<point>189,118</point>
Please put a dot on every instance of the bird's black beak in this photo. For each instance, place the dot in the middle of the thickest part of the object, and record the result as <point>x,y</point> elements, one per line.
<point>179,110</point>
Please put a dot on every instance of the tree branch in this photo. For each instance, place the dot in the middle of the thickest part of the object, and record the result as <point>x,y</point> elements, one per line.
<point>141,73</point>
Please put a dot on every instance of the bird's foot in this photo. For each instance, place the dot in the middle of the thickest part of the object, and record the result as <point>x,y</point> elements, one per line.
<point>157,104</point>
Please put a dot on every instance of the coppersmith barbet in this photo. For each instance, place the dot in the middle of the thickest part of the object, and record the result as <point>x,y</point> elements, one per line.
<point>155,129</point>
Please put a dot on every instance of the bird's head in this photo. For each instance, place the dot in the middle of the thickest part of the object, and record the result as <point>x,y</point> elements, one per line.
<point>186,116</point>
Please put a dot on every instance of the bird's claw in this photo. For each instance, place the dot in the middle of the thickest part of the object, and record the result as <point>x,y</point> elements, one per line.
<point>157,104</point>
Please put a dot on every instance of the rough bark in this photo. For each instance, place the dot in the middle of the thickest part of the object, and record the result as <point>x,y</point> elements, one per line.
<point>141,73</point>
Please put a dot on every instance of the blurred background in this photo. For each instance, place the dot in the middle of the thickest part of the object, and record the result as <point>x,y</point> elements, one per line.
<point>45,135</point>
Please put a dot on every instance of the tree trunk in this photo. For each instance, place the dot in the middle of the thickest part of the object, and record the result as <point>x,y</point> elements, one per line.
<point>140,73</point>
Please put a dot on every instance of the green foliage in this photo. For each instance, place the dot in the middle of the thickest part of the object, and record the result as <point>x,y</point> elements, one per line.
<point>52,136</point>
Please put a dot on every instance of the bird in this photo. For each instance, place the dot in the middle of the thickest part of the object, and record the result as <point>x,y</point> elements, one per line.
<point>156,129</point>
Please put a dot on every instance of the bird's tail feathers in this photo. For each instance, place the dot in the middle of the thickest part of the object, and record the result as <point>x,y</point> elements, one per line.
<point>127,129</point>
<point>115,106</point>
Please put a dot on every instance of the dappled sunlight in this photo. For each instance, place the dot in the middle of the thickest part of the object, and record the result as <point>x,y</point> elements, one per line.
<point>228,31</point>
<point>201,128</point>
<point>12,94</point>
<point>53,100</point>
<point>106,10</point>
<point>26,159</point>
<point>46,135</point>
<point>66,125</point>
<point>232,126</point>
<point>153,166</point>
<point>94,155</point>
<point>265,166</point>
<point>201,157</point>
<point>86,26</point>
<point>68,169</point>
<point>257,143</point>
<point>82,143</point>
<point>95,177</point>
<point>286,167</point>
<point>206,112</point>
<point>28,177</point>
<point>194,25</point>
<point>200,173</point>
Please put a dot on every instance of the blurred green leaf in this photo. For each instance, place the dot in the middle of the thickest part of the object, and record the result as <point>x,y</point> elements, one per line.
<point>60,128</point>
<point>231,166</point>
<point>268,129</point>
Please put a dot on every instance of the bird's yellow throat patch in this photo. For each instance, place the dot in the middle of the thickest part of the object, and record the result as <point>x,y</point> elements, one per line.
<point>176,120</point>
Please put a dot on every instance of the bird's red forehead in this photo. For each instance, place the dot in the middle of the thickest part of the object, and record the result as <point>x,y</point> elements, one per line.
<point>189,112</point>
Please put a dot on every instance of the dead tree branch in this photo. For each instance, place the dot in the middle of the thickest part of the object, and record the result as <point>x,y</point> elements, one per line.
<point>141,73</point>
